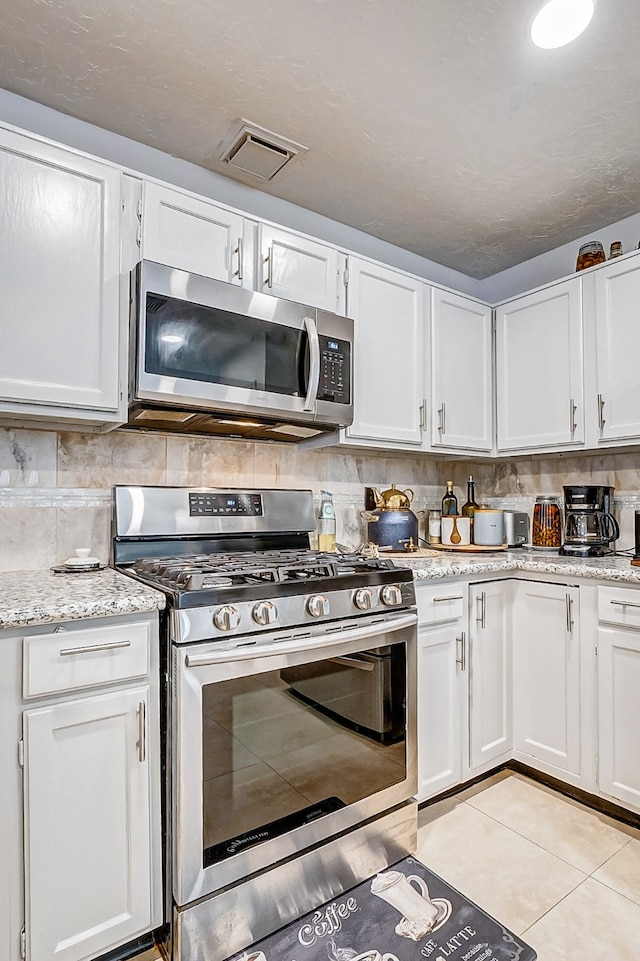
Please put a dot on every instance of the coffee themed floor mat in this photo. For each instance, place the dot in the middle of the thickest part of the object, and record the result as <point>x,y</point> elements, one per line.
<point>405,913</point>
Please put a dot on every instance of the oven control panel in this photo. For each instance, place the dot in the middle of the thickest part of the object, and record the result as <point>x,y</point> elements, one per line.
<point>215,504</point>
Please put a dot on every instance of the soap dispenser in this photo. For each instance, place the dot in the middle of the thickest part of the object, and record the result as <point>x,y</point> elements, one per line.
<point>326,523</point>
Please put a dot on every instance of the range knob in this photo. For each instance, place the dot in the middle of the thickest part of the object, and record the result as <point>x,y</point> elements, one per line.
<point>318,605</point>
<point>363,599</point>
<point>226,618</point>
<point>264,613</point>
<point>391,595</point>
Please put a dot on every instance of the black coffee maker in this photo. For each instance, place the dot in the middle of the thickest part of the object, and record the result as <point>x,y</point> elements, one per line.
<point>589,526</point>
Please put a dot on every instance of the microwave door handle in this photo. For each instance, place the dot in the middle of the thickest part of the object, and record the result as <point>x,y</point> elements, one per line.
<point>314,363</point>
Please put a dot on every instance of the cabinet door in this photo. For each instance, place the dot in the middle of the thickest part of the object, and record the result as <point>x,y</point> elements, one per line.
<point>390,311</point>
<point>546,663</point>
<point>490,674</point>
<point>618,715</point>
<point>461,387</point>
<point>87,825</point>
<point>441,679</point>
<point>539,369</point>
<point>301,269</point>
<point>192,234</point>
<point>618,348</point>
<point>59,279</point>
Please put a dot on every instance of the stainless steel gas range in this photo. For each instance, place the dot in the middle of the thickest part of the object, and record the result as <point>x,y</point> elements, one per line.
<point>290,709</point>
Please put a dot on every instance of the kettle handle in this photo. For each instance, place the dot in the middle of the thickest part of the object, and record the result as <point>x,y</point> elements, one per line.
<point>368,516</point>
<point>409,493</point>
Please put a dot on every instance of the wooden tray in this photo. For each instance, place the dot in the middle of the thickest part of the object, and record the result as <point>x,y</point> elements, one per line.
<point>467,548</point>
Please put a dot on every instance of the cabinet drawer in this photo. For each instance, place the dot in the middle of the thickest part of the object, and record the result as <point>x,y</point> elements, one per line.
<point>618,605</point>
<point>67,660</point>
<point>441,602</point>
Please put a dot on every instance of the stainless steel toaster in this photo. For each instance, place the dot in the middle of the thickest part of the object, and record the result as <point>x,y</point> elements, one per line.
<point>516,528</point>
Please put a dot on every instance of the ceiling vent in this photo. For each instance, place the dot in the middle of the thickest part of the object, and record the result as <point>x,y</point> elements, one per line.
<point>258,151</point>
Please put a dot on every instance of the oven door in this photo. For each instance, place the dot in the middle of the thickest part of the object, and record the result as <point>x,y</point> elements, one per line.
<point>205,344</point>
<point>259,774</point>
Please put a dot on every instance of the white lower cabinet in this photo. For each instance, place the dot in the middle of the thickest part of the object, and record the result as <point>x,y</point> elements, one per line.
<point>87,842</point>
<point>618,690</point>
<point>442,642</point>
<point>546,655</point>
<point>81,794</point>
<point>490,672</point>
<point>440,684</point>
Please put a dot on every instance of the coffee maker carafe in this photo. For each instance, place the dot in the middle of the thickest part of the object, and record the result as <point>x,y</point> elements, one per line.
<point>590,527</point>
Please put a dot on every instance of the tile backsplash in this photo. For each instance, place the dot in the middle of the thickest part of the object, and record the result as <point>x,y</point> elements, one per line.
<point>55,488</point>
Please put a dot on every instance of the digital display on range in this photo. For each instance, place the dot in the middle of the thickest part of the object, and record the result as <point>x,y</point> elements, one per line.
<point>211,504</point>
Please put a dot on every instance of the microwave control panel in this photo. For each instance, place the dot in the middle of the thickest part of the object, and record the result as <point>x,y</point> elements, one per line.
<point>335,370</point>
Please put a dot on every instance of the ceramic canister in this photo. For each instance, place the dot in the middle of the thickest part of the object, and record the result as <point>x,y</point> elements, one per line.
<point>488,527</point>
<point>456,530</point>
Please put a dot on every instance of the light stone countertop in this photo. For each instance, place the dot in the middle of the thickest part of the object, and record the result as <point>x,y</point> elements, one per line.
<point>450,564</point>
<point>40,597</point>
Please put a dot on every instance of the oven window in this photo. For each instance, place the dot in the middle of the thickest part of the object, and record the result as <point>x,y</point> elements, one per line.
<point>283,748</point>
<point>193,342</point>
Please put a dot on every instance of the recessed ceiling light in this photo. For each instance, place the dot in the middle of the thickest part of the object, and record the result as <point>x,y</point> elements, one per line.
<point>561,21</point>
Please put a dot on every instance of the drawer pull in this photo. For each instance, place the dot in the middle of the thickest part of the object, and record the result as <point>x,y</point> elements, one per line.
<point>114,646</point>
<point>453,597</point>
<point>625,603</point>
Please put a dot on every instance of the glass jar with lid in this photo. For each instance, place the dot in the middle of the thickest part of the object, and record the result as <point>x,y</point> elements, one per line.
<point>546,531</point>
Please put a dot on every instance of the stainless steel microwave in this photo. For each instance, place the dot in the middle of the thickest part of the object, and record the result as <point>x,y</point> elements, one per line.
<point>212,358</point>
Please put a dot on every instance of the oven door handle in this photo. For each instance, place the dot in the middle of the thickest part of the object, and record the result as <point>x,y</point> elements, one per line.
<point>252,650</point>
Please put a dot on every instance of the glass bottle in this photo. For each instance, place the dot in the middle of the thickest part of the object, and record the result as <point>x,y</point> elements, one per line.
<point>469,507</point>
<point>435,521</point>
<point>449,501</point>
<point>326,523</point>
<point>547,523</point>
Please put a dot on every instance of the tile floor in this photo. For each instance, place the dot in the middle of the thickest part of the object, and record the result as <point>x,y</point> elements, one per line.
<point>562,876</point>
<point>557,873</point>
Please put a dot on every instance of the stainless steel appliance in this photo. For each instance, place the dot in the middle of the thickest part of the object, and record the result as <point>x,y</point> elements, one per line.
<point>209,357</point>
<point>278,796</point>
<point>590,528</point>
<point>516,528</point>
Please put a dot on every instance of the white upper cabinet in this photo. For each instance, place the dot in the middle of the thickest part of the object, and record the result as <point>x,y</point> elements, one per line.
<point>59,284</point>
<point>193,234</point>
<point>539,369</point>
<point>461,385</point>
<point>617,287</point>
<point>298,268</point>
<point>390,311</point>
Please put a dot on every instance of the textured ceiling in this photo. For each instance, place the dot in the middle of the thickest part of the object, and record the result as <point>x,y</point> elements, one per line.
<point>432,124</point>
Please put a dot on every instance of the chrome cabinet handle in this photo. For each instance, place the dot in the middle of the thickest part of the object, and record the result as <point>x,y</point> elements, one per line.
<point>451,597</point>
<point>141,743</point>
<point>423,414</point>
<point>314,363</point>
<point>601,420</point>
<point>442,414</point>
<point>269,262</point>
<point>572,416</point>
<point>114,646</point>
<point>462,660</point>
<point>625,603</point>
<point>239,251</point>
<point>569,608</point>
<point>481,609</point>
